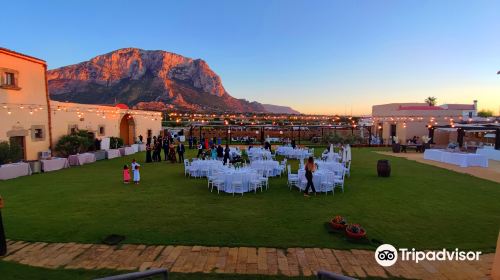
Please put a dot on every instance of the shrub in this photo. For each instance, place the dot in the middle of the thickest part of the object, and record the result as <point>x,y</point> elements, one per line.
<point>78,142</point>
<point>10,152</point>
<point>115,142</point>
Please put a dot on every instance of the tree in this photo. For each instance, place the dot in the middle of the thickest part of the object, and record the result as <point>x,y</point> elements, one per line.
<point>431,100</point>
<point>485,113</point>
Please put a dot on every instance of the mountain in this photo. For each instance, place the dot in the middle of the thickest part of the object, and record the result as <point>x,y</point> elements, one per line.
<point>279,109</point>
<point>147,79</point>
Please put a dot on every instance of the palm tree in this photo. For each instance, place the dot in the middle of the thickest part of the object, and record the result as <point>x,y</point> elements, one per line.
<point>431,100</point>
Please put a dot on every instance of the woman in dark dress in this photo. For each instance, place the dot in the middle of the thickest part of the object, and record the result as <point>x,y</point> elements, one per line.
<point>310,168</point>
<point>148,153</point>
<point>226,154</point>
<point>171,152</point>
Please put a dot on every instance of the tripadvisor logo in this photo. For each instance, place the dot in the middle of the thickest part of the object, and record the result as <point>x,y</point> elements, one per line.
<point>387,255</point>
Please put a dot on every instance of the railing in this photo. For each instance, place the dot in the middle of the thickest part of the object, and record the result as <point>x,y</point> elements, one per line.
<point>138,275</point>
<point>326,275</point>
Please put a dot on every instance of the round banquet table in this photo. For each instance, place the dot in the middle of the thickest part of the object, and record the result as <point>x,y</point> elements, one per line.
<point>231,174</point>
<point>266,165</point>
<point>318,176</point>
<point>209,165</point>
<point>258,153</point>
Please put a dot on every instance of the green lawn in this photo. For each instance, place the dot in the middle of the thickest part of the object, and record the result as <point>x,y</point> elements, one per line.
<point>14,271</point>
<point>420,206</point>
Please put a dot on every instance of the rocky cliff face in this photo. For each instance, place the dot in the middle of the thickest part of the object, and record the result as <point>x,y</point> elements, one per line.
<point>145,79</point>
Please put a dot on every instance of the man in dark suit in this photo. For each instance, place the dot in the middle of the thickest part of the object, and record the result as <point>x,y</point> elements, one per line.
<point>180,150</point>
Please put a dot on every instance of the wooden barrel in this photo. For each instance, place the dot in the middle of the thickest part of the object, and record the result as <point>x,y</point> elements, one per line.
<point>383,168</point>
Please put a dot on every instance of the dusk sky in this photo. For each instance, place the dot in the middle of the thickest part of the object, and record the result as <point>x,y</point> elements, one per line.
<point>316,56</point>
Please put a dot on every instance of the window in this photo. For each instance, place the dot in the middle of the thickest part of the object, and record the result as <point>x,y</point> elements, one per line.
<point>37,132</point>
<point>8,78</point>
<point>101,130</point>
<point>72,129</point>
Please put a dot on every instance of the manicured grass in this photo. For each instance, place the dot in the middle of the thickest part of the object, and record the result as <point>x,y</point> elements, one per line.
<point>419,206</point>
<point>14,271</point>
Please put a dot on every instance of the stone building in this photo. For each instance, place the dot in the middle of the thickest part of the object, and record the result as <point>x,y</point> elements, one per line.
<point>29,118</point>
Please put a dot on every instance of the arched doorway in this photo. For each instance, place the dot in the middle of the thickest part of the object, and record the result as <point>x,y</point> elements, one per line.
<point>127,129</point>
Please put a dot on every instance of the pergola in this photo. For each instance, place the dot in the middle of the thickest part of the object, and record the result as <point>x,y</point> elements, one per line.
<point>262,127</point>
<point>461,129</point>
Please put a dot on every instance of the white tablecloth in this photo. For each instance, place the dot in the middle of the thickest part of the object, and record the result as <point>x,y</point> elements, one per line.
<point>258,153</point>
<point>489,152</point>
<point>456,158</point>
<point>81,159</point>
<point>292,153</point>
<point>54,164</point>
<point>229,175</point>
<point>14,170</point>
<point>329,165</point>
<point>114,153</point>
<point>318,176</point>
<point>207,165</point>
<point>135,147</point>
<point>125,151</point>
<point>266,165</point>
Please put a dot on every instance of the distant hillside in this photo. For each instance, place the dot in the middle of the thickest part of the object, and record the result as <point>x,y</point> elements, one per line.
<point>148,80</point>
<point>279,109</point>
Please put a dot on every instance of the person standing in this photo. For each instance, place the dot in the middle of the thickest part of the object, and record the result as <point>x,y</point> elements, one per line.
<point>153,149</point>
<point>226,154</point>
<point>180,151</point>
<point>171,152</point>
<point>148,152</point>
<point>137,174</point>
<point>158,148</point>
<point>140,138</point>
<point>165,147</point>
<point>310,168</point>
<point>220,152</point>
<point>213,152</point>
<point>200,150</point>
<point>190,140</point>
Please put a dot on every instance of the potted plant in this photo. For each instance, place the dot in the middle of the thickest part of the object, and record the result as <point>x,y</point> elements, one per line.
<point>355,231</point>
<point>338,223</point>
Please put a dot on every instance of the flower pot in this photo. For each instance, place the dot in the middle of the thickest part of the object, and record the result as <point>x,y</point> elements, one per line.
<point>355,235</point>
<point>337,226</point>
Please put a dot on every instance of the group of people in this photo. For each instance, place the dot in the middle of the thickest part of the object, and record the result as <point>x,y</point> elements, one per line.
<point>170,149</point>
<point>134,166</point>
<point>214,152</point>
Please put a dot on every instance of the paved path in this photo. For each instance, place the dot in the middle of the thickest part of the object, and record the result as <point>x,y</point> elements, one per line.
<point>492,172</point>
<point>242,260</point>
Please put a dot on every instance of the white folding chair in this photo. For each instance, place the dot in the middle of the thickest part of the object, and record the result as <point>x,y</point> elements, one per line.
<point>339,179</point>
<point>237,183</point>
<point>293,179</point>
<point>327,183</point>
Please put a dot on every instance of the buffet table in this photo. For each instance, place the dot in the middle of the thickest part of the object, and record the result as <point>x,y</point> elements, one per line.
<point>456,158</point>
<point>114,153</point>
<point>54,164</point>
<point>125,151</point>
<point>489,152</point>
<point>81,159</point>
<point>14,170</point>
